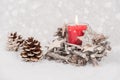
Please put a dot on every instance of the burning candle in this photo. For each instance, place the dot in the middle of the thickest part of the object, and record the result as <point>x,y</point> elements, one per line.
<point>74,31</point>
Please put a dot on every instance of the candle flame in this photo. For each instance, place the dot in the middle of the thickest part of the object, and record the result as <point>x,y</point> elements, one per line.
<point>76,19</point>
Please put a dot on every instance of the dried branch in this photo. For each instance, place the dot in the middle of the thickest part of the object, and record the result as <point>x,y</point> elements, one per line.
<point>93,49</point>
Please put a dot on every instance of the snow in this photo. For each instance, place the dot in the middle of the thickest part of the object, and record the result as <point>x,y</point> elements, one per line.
<point>40,18</point>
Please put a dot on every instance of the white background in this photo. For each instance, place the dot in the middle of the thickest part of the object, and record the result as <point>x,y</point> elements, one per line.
<point>40,19</point>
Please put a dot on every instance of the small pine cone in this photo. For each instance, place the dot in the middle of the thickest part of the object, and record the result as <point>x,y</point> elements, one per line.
<point>60,32</point>
<point>31,50</point>
<point>98,38</point>
<point>77,60</point>
<point>15,41</point>
<point>73,59</point>
<point>82,61</point>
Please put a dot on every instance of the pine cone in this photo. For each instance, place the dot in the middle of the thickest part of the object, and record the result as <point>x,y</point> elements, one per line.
<point>61,33</point>
<point>77,60</point>
<point>31,50</point>
<point>98,38</point>
<point>15,41</point>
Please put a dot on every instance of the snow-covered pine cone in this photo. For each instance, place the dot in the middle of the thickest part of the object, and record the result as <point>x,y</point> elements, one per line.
<point>31,50</point>
<point>61,33</point>
<point>77,60</point>
<point>15,41</point>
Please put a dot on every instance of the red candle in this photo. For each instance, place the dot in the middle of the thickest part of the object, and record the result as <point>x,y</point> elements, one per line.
<point>74,31</point>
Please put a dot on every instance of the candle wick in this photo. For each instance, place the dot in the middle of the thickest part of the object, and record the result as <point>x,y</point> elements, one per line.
<point>76,20</point>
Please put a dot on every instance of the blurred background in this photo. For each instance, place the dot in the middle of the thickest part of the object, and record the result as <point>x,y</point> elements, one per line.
<point>40,18</point>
